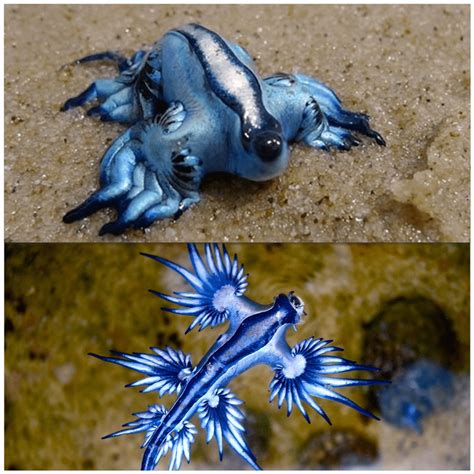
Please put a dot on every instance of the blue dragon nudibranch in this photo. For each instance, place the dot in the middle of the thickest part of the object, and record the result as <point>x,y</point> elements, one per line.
<point>196,105</point>
<point>256,334</point>
<point>417,390</point>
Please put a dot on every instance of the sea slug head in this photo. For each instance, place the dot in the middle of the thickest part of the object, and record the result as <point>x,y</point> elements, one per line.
<point>266,149</point>
<point>298,305</point>
<point>290,308</point>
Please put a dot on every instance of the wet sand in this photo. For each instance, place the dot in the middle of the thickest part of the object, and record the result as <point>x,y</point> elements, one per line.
<point>407,66</point>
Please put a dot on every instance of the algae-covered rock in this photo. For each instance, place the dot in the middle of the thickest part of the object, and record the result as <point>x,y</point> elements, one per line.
<point>338,449</point>
<point>259,433</point>
<point>64,301</point>
<point>406,330</point>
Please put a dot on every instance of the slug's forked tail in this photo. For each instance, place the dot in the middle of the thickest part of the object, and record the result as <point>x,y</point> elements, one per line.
<point>178,443</point>
<point>150,458</point>
<point>166,372</point>
<point>308,373</point>
<point>220,418</point>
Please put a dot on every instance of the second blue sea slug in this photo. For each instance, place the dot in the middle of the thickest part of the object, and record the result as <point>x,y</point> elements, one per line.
<point>256,334</point>
<point>195,105</point>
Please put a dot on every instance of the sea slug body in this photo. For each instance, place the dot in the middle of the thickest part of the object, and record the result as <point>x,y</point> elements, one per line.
<point>417,390</point>
<point>256,334</point>
<point>195,105</point>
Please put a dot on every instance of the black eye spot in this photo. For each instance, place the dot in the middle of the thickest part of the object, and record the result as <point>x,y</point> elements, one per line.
<point>295,301</point>
<point>268,146</point>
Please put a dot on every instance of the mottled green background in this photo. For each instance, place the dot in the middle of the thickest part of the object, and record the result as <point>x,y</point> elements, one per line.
<point>65,300</point>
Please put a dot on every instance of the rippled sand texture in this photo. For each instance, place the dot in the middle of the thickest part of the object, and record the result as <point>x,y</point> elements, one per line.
<point>59,401</point>
<point>407,66</point>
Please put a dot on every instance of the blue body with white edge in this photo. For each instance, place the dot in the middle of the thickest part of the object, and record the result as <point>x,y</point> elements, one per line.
<point>256,335</point>
<point>196,105</point>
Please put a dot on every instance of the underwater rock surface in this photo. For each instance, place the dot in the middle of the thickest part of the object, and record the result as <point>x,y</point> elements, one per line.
<point>338,449</point>
<point>64,301</point>
<point>406,330</point>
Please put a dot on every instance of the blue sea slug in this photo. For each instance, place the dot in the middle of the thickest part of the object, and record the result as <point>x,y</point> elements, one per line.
<point>196,105</point>
<point>417,390</point>
<point>256,334</point>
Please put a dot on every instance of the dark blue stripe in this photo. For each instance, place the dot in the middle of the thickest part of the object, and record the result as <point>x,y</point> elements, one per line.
<point>265,119</point>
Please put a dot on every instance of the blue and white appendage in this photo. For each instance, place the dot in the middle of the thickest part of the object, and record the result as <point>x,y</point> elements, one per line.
<point>339,121</point>
<point>218,287</point>
<point>325,123</point>
<point>166,370</point>
<point>127,98</point>
<point>143,178</point>
<point>221,419</point>
<point>307,371</point>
